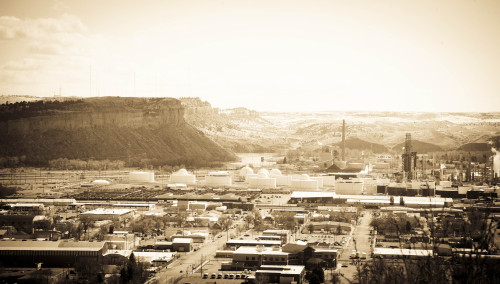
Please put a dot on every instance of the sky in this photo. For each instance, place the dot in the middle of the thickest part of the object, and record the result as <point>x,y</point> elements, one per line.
<point>266,55</point>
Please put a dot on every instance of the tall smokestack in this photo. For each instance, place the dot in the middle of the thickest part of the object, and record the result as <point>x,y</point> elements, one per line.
<point>343,140</point>
<point>496,163</point>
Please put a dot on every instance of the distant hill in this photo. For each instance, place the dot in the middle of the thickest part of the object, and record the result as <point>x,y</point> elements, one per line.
<point>475,147</point>
<point>420,147</point>
<point>358,144</point>
<point>114,128</point>
<point>14,99</point>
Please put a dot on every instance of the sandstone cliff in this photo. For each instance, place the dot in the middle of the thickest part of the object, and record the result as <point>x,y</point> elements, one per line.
<point>128,129</point>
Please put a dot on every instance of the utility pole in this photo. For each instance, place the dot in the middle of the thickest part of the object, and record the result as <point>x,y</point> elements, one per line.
<point>201,265</point>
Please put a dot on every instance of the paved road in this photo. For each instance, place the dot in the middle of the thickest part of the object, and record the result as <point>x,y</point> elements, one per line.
<point>189,261</point>
<point>359,241</point>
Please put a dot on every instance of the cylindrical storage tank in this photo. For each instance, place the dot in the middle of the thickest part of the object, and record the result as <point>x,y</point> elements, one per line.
<point>283,180</point>
<point>348,187</point>
<point>220,178</point>
<point>246,171</point>
<point>328,180</point>
<point>261,181</point>
<point>263,172</point>
<point>275,173</point>
<point>445,183</point>
<point>304,184</point>
<point>319,180</point>
<point>249,176</point>
<point>182,176</point>
<point>141,176</point>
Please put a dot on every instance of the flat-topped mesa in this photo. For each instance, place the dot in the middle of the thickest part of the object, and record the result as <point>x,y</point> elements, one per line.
<point>101,112</point>
<point>114,128</point>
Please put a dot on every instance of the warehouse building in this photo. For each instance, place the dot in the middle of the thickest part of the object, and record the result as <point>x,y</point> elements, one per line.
<point>107,214</point>
<point>51,253</point>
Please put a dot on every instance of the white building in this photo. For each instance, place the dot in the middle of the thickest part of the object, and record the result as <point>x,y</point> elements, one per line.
<point>348,187</point>
<point>328,180</point>
<point>219,178</point>
<point>304,182</point>
<point>262,180</point>
<point>182,176</point>
<point>281,180</point>
<point>100,182</point>
<point>244,172</point>
<point>141,177</point>
<point>107,214</point>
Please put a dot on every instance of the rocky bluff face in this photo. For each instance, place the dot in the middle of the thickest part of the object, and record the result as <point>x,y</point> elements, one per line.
<point>93,113</point>
<point>104,128</point>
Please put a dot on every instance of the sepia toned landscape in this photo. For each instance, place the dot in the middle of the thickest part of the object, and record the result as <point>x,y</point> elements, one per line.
<point>254,142</point>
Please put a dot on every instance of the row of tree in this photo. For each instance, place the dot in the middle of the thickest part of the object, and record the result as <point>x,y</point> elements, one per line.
<point>77,164</point>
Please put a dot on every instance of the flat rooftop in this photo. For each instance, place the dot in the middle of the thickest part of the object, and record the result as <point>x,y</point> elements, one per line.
<point>107,211</point>
<point>402,252</point>
<point>254,242</point>
<point>254,250</point>
<point>50,245</point>
<point>284,269</point>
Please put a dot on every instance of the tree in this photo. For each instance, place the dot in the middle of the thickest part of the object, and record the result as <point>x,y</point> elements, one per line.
<point>133,271</point>
<point>225,223</point>
<point>249,220</point>
<point>315,276</point>
<point>311,228</point>
<point>408,226</point>
<point>472,267</point>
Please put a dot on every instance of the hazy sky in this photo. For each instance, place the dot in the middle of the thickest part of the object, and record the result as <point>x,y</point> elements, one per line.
<point>437,55</point>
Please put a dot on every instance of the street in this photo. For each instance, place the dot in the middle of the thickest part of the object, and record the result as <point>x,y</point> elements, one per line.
<point>359,241</point>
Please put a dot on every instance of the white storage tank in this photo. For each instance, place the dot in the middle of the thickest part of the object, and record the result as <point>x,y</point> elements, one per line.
<point>328,180</point>
<point>319,180</point>
<point>445,183</point>
<point>245,171</point>
<point>182,176</point>
<point>303,182</point>
<point>348,187</point>
<point>141,176</point>
<point>281,180</point>
<point>219,178</point>
<point>262,180</point>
